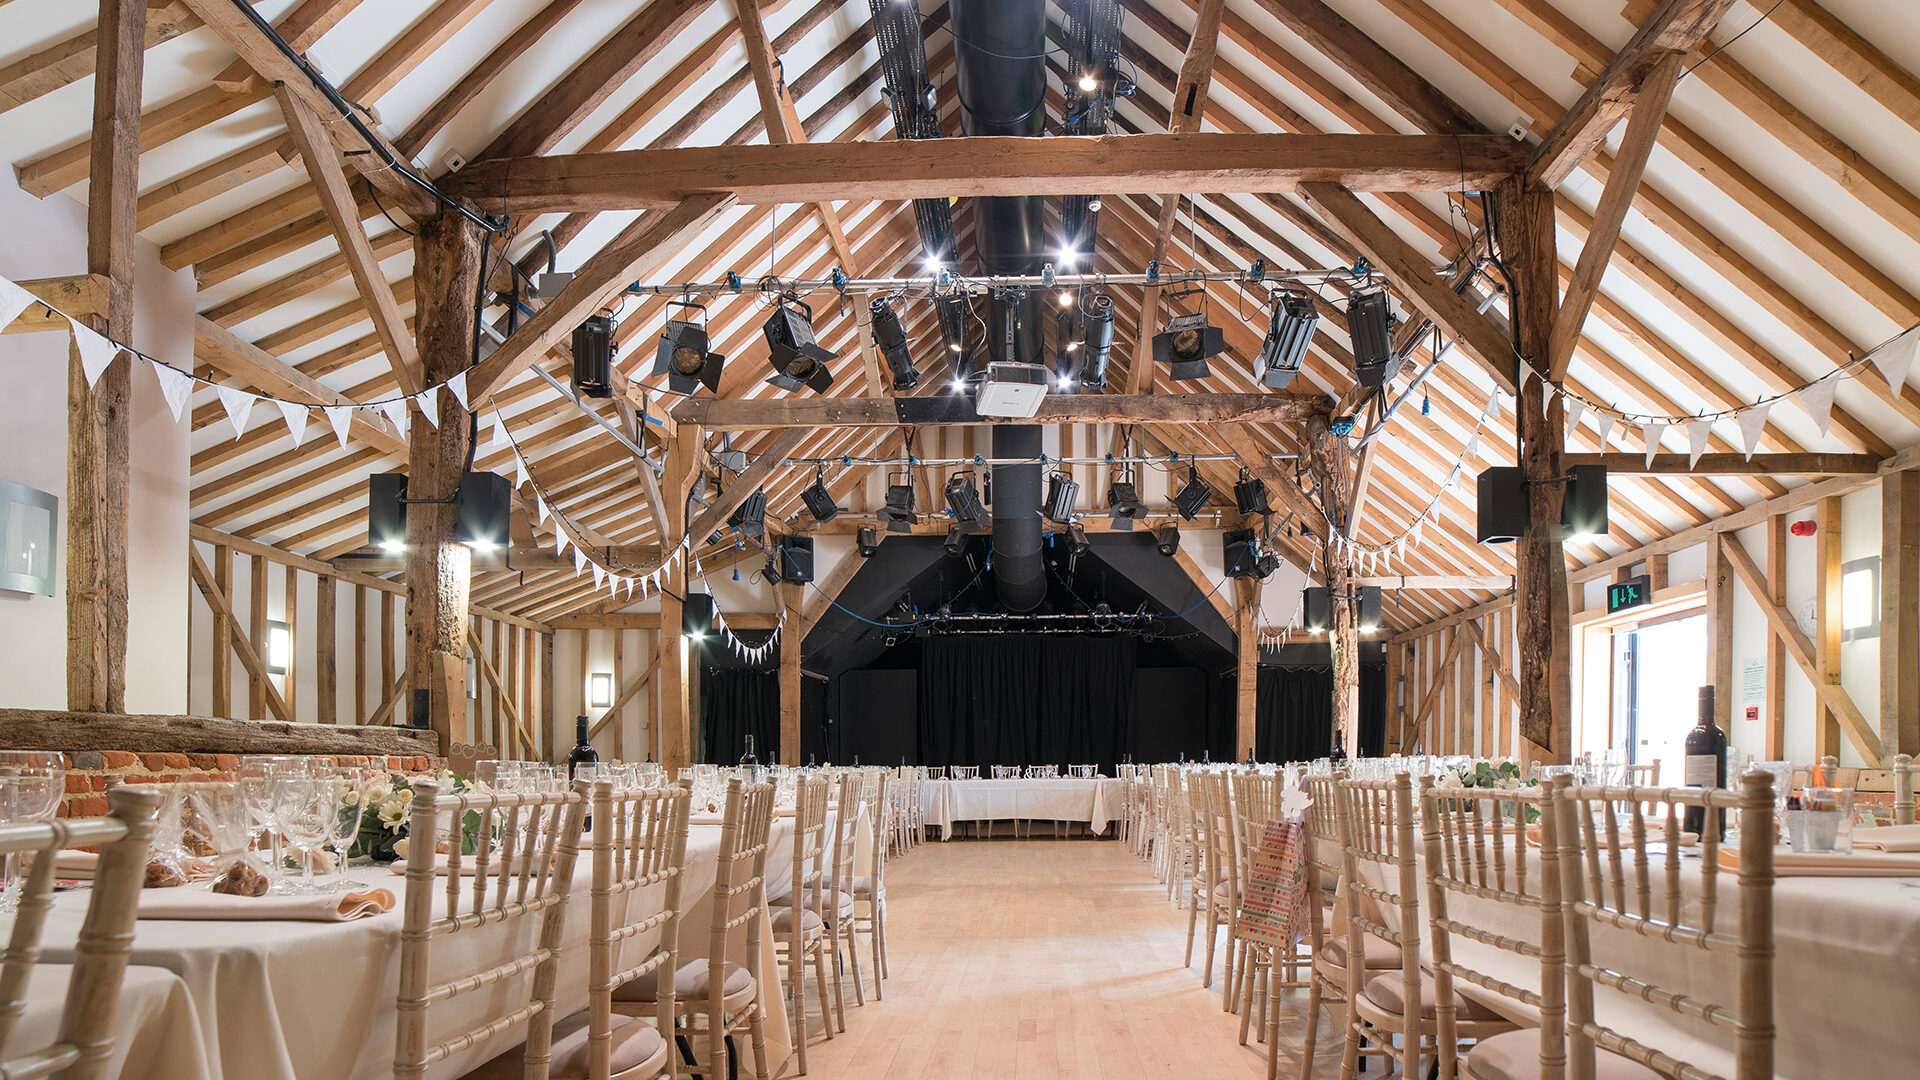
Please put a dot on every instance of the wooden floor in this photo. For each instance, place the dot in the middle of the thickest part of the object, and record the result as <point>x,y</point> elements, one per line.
<point>1043,958</point>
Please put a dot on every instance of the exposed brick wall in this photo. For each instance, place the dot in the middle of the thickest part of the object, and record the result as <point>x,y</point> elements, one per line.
<point>88,772</point>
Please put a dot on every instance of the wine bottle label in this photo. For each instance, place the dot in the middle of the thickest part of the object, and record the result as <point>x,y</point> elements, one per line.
<point>1702,770</point>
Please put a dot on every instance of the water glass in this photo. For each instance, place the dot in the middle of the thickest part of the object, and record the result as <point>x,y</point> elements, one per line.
<point>352,788</point>
<point>303,810</point>
<point>31,785</point>
<point>1824,822</point>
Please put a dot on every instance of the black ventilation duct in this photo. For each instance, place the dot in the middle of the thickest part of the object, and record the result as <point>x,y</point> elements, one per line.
<point>1000,49</point>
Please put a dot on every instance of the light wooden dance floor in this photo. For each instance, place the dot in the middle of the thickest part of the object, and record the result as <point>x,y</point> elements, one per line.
<point>1044,958</point>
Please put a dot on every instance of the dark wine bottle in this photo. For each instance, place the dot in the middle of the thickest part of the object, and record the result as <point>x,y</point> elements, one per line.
<point>583,752</point>
<point>749,765</point>
<point>1339,751</point>
<point>1706,765</point>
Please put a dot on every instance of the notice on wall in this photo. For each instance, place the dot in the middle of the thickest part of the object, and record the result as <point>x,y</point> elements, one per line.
<point>1753,680</point>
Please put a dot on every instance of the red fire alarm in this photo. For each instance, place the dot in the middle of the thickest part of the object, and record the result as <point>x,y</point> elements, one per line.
<point>1753,712</point>
<point>1802,528</point>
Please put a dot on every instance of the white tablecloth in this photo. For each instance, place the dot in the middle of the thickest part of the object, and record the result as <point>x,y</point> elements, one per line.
<point>1844,985</point>
<point>156,1031</point>
<point>299,1000</point>
<point>1095,802</point>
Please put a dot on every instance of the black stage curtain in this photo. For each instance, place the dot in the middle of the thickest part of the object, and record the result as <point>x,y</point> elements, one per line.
<point>1026,700</point>
<point>735,703</point>
<point>1293,712</point>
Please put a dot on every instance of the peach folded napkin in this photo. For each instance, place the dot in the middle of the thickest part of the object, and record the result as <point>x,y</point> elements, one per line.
<point>197,903</point>
<point>1891,838</point>
<point>1831,864</point>
<point>81,866</point>
<point>467,865</point>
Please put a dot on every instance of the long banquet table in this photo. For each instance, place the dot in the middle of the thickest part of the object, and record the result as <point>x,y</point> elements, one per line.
<point>1846,953</point>
<point>315,1001</point>
<point>1094,801</point>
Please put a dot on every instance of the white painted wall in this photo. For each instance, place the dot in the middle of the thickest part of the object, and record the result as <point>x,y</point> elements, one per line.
<point>48,238</point>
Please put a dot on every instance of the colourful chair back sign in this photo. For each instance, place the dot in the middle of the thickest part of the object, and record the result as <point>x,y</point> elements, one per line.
<point>1272,912</point>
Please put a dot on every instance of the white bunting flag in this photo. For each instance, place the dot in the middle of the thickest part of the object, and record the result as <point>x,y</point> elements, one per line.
<point>1473,447</point>
<point>599,575</point>
<point>96,352</point>
<point>1895,359</point>
<point>519,470</point>
<point>458,385</point>
<point>579,562</point>
<point>629,588</point>
<point>1817,399</point>
<point>296,417</point>
<point>429,404</point>
<point>1698,431</point>
<point>396,414</point>
<point>238,404</point>
<point>499,433</point>
<point>1575,410</point>
<point>1492,407</point>
<point>1752,422</point>
<point>559,540</point>
<point>1546,395</point>
<point>1603,423</point>
<point>1653,431</point>
<point>540,504</point>
<point>13,301</point>
<point>176,386</point>
<point>340,417</point>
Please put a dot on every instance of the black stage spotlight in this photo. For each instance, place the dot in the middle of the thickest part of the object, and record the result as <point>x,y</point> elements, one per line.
<point>1370,326</point>
<point>1239,553</point>
<point>593,357</point>
<point>794,556</point>
<point>798,361</point>
<point>1077,542</point>
<point>1167,540</point>
<point>696,616</point>
<point>898,512</point>
<point>868,541</point>
<point>956,541</point>
<point>963,500</point>
<point>770,572</point>
<point>819,501</point>
<point>1267,562</point>
<point>1250,495</point>
<point>891,339</point>
<point>1194,496</point>
<point>1123,504</point>
<point>683,356</point>
<point>1185,345</point>
<point>1062,492</point>
<point>1097,345</point>
<point>751,517</point>
<point>1281,354</point>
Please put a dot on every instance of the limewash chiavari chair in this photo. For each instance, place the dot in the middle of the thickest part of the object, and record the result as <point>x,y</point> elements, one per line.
<point>800,932</point>
<point>1183,852</point>
<point>1258,800</point>
<point>1327,979</point>
<point>1646,774</point>
<point>84,1046</point>
<point>1083,772</point>
<point>526,881</point>
<point>838,903</point>
<point>1377,823</point>
<point>1476,854</point>
<point>1903,789</point>
<point>713,996</point>
<point>870,883</point>
<point>639,841</point>
<point>1006,772</point>
<point>1607,880</point>
<point>1214,888</point>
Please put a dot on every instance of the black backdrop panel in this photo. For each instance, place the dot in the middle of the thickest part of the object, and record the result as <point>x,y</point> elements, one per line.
<point>877,722</point>
<point>735,703</point>
<point>1170,714</point>
<point>1293,712</point>
<point>1026,699</point>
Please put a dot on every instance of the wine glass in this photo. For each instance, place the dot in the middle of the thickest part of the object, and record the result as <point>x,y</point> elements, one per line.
<point>257,773</point>
<point>31,785</point>
<point>351,786</point>
<point>303,809</point>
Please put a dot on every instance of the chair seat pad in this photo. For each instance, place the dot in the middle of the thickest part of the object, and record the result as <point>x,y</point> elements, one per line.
<point>810,923</point>
<point>845,908</point>
<point>1381,954</point>
<point>863,888</point>
<point>690,983</point>
<point>635,1045</point>
<point>1515,1055</point>
<point>1384,992</point>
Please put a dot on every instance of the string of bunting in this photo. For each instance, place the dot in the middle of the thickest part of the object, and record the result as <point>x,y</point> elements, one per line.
<point>566,533</point>
<point>97,352</point>
<point>751,654</point>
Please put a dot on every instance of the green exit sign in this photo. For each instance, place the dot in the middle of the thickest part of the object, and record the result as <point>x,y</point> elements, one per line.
<point>1630,593</point>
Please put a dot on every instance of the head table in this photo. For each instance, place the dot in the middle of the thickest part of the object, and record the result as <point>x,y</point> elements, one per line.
<point>315,1000</point>
<point>1096,801</point>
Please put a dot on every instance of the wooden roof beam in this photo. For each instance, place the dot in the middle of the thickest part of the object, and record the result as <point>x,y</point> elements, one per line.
<point>747,414</point>
<point>67,62</point>
<point>1674,27</point>
<point>906,169</point>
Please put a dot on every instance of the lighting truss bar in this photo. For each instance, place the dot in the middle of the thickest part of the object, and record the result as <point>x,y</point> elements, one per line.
<point>612,428</point>
<point>946,284</point>
<point>1045,459</point>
